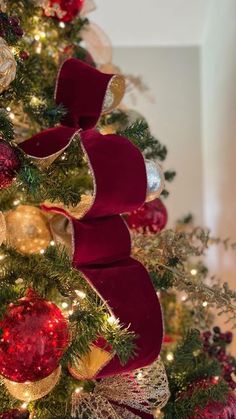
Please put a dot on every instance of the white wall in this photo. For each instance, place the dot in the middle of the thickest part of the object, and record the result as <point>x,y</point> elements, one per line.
<point>173,75</point>
<point>219,131</point>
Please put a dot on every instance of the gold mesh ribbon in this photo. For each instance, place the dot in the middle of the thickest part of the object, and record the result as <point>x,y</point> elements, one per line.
<point>7,66</point>
<point>145,391</point>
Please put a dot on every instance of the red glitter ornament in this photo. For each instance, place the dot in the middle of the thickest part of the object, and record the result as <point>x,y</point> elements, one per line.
<point>217,409</point>
<point>63,10</point>
<point>9,164</point>
<point>34,337</point>
<point>151,217</point>
<point>15,414</point>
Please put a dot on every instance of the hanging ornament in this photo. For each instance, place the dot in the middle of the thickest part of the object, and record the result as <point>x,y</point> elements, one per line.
<point>27,229</point>
<point>2,228</point>
<point>3,8</point>
<point>15,414</point>
<point>30,391</point>
<point>124,396</point>
<point>215,409</point>
<point>7,66</point>
<point>155,180</point>
<point>87,366</point>
<point>63,10</point>
<point>9,161</point>
<point>114,94</point>
<point>34,338</point>
<point>149,218</point>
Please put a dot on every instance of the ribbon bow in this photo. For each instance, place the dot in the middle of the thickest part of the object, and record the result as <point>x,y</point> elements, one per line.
<point>124,396</point>
<point>101,245</point>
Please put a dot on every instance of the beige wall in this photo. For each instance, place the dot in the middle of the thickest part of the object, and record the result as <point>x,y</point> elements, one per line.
<point>219,131</point>
<point>173,75</point>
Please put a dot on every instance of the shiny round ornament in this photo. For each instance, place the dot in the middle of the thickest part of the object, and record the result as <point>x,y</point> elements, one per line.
<point>30,391</point>
<point>27,229</point>
<point>15,414</point>
<point>7,65</point>
<point>9,162</point>
<point>63,10</point>
<point>214,409</point>
<point>34,337</point>
<point>150,218</point>
<point>155,180</point>
<point>2,228</point>
<point>114,94</point>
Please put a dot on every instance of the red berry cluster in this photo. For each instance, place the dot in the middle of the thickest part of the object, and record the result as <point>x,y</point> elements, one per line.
<point>10,27</point>
<point>215,344</point>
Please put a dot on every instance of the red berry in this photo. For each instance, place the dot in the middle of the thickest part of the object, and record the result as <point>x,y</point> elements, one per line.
<point>24,55</point>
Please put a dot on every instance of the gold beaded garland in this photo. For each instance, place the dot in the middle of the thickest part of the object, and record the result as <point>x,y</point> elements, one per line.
<point>7,65</point>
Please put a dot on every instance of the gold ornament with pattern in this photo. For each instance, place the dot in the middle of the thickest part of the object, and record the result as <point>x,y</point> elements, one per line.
<point>27,229</point>
<point>7,65</point>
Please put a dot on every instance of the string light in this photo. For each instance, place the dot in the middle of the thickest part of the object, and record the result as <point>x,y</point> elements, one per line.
<point>193,272</point>
<point>62,25</point>
<point>42,251</point>
<point>80,294</point>
<point>139,375</point>
<point>183,298</point>
<point>204,304</point>
<point>170,356</point>
<point>52,243</point>
<point>8,109</point>
<point>12,115</point>
<point>65,304</point>
<point>2,257</point>
<point>16,202</point>
<point>39,49</point>
<point>111,320</point>
<point>24,405</point>
<point>78,389</point>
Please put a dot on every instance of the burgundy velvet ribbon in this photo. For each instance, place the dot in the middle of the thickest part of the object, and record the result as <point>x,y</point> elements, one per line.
<point>101,240</point>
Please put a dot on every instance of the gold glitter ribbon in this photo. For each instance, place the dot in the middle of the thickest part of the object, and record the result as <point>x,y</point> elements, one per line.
<point>145,391</point>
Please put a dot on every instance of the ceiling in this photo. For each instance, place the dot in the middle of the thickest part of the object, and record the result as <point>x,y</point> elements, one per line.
<point>152,22</point>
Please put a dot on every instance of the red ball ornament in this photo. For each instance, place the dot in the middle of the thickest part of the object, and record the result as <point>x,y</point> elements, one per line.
<point>34,336</point>
<point>217,409</point>
<point>9,164</point>
<point>151,217</point>
<point>15,414</point>
<point>63,10</point>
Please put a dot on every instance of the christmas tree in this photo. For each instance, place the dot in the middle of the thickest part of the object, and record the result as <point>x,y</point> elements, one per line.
<point>82,333</point>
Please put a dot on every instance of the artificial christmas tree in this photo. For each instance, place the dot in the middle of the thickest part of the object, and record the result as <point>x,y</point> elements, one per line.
<point>81,326</point>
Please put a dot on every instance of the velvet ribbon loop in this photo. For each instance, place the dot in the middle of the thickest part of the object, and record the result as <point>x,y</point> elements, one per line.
<point>101,240</point>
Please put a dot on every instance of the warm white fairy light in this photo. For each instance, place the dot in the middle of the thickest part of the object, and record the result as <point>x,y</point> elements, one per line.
<point>80,294</point>
<point>52,243</point>
<point>184,298</point>
<point>65,304</point>
<point>204,304</point>
<point>24,405</point>
<point>78,389</point>
<point>16,202</point>
<point>111,320</point>
<point>12,115</point>
<point>70,312</point>
<point>62,25</point>
<point>42,251</point>
<point>37,37</point>
<point>193,272</point>
<point>8,109</point>
<point>170,356</point>
<point>139,376</point>
<point>2,257</point>
<point>39,49</point>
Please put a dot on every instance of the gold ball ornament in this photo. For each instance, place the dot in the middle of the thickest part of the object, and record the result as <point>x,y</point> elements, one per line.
<point>30,391</point>
<point>27,229</point>
<point>7,66</point>
<point>2,228</point>
<point>114,94</point>
<point>3,6</point>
